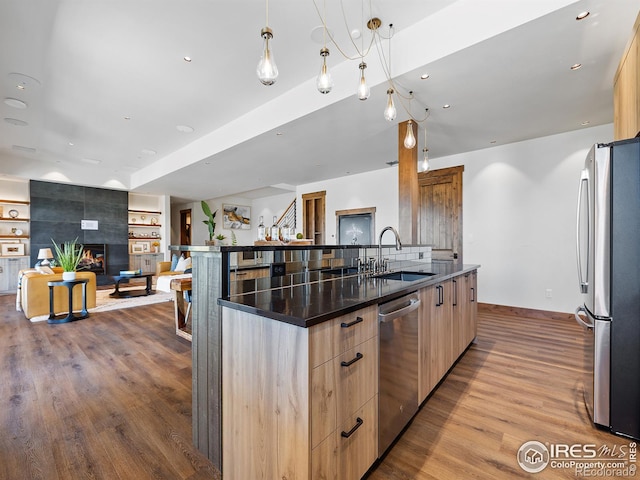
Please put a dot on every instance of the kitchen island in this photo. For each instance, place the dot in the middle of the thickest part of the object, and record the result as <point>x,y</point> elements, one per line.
<point>298,355</point>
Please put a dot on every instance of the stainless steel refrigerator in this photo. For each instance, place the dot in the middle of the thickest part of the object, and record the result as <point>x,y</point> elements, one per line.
<point>608,257</point>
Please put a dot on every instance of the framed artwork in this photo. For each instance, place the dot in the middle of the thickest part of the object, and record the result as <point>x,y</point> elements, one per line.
<point>137,248</point>
<point>9,249</point>
<point>236,217</point>
<point>356,226</point>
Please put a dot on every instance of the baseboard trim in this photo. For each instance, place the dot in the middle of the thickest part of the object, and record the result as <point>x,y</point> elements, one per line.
<point>523,312</point>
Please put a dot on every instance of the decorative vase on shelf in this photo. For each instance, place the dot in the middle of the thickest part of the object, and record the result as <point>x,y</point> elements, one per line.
<point>68,276</point>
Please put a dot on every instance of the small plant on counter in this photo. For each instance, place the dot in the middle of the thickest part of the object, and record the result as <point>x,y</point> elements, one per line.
<point>211,220</point>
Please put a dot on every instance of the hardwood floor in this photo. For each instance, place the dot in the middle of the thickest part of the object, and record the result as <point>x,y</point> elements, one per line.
<point>109,397</point>
<point>520,381</point>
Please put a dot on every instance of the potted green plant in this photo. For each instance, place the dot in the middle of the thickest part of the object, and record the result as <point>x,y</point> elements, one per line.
<point>68,256</point>
<point>210,222</point>
<point>220,237</point>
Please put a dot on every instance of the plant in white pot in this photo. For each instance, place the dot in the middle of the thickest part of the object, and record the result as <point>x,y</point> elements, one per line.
<point>68,256</point>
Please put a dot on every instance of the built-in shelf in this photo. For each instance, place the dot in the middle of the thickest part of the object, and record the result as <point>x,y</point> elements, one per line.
<point>144,238</point>
<point>11,219</point>
<point>154,225</point>
<point>14,236</point>
<point>150,212</point>
<point>15,202</point>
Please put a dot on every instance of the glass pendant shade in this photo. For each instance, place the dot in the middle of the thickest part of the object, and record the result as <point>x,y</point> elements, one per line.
<point>324,82</point>
<point>267,70</point>
<point>363,89</point>
<point>409,138</point>
<point>390,111</point>
<point>425,160</point>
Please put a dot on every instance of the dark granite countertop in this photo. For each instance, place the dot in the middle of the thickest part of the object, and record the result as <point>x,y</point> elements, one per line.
<point>319,299</point>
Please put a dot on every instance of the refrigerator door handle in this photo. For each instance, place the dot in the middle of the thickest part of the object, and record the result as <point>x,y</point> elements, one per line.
<point>580,320</point>
<point>583,279</point>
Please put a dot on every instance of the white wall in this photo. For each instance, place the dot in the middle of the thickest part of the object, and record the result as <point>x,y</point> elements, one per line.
<point>378,188</point>
<point>519,204</point>
<point>519,207</point>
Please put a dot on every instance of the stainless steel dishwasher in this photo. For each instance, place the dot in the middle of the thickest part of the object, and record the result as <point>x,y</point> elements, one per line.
<point>398,369</point>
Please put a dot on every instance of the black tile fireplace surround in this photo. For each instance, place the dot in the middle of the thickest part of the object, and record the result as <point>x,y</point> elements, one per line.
<point>57,211</point>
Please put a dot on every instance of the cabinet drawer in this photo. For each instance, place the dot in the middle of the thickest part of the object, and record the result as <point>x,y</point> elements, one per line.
<point>348,455</point>
<point>341,386</point>
<point>336,336</point>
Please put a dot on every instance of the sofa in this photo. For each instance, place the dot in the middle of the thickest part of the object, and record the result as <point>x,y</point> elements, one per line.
<point>33,293</point>
<point>179,264</point>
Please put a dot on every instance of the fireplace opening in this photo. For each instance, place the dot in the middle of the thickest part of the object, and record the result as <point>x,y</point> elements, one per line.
<point>94,259</point>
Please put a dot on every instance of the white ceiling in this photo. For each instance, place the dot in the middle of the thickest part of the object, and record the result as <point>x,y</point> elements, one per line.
<point>503,66</point>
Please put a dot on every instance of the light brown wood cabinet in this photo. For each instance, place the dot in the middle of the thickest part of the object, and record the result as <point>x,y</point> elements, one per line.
<point>447,326</point>
<point>248,273</point>
<point>299,403</point>
<point>626,89</point>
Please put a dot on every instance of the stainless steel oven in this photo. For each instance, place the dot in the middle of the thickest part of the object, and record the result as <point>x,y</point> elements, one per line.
<point>398,367</point>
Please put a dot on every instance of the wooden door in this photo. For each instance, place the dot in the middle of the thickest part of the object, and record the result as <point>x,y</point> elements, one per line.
<point>440,212</point>
<point>313,215</point>
<point>185,227</point>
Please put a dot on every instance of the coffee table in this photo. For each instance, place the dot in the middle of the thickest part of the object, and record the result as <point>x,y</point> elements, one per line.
<point>132,293</point>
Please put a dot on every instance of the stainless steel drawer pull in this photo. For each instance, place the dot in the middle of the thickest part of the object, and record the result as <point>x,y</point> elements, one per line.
<point>359,422</point>
<point>351,324</point>
<point>352,361</point>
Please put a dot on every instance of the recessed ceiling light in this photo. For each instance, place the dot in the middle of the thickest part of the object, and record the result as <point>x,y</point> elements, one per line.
<point>23,81</point>
<point>576,66</point>
<point>15,103</point>
<point>582,15</point>
<point>424,76</point>
<point>355,33</point>
<point>279,134</point>
<point>127,118</point>
<point>318,35</point>
<point>71,144</point>
<point>446,106</point>
<point>148,151</point>
<point>91,160</point>
<point>184,128</point>
<point>15,121</point>
<point>187,59</point>
<point>586,122</point>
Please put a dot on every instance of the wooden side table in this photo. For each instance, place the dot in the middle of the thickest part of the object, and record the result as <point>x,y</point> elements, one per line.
<point>70,317</point>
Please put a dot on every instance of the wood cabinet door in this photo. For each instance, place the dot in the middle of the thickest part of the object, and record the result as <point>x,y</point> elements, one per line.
<point>342,385</point>
<point>349,451</point>
<point>427,330</point>
<point>440,212</point>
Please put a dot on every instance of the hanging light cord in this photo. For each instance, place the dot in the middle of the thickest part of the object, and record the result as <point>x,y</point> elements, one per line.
<point>360,54</point>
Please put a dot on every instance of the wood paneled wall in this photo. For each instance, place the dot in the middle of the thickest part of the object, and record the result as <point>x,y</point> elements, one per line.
<point>626,89</point>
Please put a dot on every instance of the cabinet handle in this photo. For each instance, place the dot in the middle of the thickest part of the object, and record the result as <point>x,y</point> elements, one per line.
<point>352,361</point>
<point>359,422</point>
<point>351,324</point>
<point>455,293</point>
<point>473,294</point>
<point>440,301</point>
<point>239,274</point>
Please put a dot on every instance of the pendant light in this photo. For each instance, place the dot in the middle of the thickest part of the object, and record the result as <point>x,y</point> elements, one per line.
<point>409,138</point>
<point>425,153</point>
<point>363,89</point>
<point>390,111</point>
<point>267,70</point>
<point>324,81</point>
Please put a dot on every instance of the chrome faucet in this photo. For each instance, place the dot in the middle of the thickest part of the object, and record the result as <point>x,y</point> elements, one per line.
<point>398,245</point>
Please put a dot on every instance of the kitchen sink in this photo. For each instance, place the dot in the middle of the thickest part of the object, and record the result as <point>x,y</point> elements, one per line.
<point>405,276</point>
